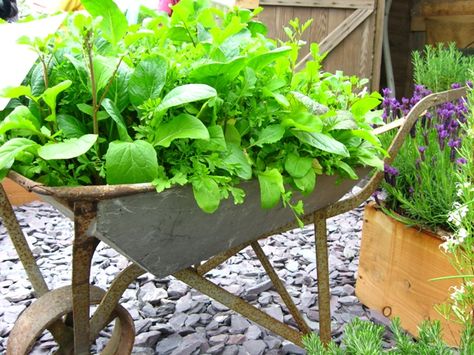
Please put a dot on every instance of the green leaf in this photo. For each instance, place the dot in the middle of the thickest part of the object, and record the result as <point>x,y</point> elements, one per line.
<point>12,148</point>
<point>370,158</point>
<point>114,23</point>
<point>347,169</point>
<point>237,160</point>
<point>20,119</point>
<point>271,187</point>
<point>50,95</point>
<point>16,92</point>
<point>104,68</point>
<point>148,79</point>
<point>341,120</point>
<point>262,60</point>
<point>118,91</point>
<point>307,182</point>
<point>323,142</point>
<point>71,126</point>
<point>232,134</point>
<point>131,163</point>
<point>185,94</point>
<point>207,193</point>
<point>368,136</point>
<point>68,149</point>
<point>270,134</point>
<point>303,121</point>
<point>114,113</point>
<point>181,126</point>
<point>216,142</point>
<point>228,70</point>
<point>314,107</point>
<point>364,105</point>
<point>297,166</point>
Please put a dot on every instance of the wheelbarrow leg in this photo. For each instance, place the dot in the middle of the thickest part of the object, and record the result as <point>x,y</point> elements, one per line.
<point>83,249</point>
<point>58,329</point>
<point>322,268</point>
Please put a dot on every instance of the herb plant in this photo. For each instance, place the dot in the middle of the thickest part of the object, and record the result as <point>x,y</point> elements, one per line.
<point>365,338</point>
<point>202,97</point>
<point>421,184</point>
<point>438,67</point>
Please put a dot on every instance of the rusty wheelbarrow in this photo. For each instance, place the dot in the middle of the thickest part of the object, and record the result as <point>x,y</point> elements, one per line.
<point>167,234</point>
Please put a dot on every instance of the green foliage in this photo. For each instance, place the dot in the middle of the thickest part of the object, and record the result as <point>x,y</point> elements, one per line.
<point>438,67</point>
<point>365,338</point>
<point>202,98</point>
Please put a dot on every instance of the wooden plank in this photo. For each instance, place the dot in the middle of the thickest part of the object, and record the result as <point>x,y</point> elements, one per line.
<point>377,52</point>
<point>342,4</point>
<point>247,4</point>
<point>447,8</point>
<point>344,29</point>
<point>17,194</point>
<point>396,264</point>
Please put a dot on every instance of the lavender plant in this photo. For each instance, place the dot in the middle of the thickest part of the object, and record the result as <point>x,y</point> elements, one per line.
<point>421,184</point>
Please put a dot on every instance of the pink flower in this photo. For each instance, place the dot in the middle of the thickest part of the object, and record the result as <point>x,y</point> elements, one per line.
<point>165,5</point>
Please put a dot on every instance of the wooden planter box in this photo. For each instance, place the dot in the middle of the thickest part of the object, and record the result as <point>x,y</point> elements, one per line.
<point>17,195</point>
<point>396,264</point>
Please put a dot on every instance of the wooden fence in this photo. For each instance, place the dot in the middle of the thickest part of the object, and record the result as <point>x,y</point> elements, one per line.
<point>350,30</point>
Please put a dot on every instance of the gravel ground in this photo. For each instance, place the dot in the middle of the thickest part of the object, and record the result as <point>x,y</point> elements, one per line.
<point>171,318</point>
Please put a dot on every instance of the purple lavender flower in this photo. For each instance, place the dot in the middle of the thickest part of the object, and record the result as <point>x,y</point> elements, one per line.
<point>469,84</point>
<point>461,161</point>
<point>455,86</point>
<point>411,190</point>
<point>422,150</point>
<point>390,174</point>
<point>442,135</point>
<point>453,144</point>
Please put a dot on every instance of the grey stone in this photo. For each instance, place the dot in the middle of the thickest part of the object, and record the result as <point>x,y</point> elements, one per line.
<point>217,339</point>
<point>177,289</point>
<point>236,339</point>
<point>138,350</point>
<point>231,350</point>
<point>348,300</point>
<point>253,332</point>
<point>292,266</point>
<point>142,325</point>
<point>190,344</point>
<point>290,348</point>
<point>238,324</point>
<point>185,303</point>
<point>147,339</point>
<point>275,312</point>
<point>272,342</point>
<point>167,345</point>
<point>307,299</point>
<point>177,321</point>
<point>260,287</point>
<point>255,347</point>
<point>216,349</point>
<point>152,294</point>
<point>192,320</point>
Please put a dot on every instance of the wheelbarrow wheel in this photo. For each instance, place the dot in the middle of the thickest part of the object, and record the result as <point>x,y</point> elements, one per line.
<point>55,304</point>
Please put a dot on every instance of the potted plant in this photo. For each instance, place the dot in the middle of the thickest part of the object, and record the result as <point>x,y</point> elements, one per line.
<point>201,99</point>
<point>401,241</point>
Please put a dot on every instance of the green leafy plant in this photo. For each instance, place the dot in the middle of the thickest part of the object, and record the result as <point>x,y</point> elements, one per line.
<point>202,97</point>
<point>438,67</point>
<point>365,338</point>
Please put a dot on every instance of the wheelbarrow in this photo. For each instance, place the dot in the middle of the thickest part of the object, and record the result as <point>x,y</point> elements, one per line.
<point>167,234</point>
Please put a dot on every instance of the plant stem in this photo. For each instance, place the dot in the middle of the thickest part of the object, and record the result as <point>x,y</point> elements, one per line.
<point>88,46</point>
<point>109,83</point>
<point>45,71</point>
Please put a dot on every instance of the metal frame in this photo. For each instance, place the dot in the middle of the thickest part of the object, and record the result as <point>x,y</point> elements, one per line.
<point>55,310</point>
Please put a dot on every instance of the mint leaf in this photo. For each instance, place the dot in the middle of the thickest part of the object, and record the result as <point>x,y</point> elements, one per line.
<point>270,134</point>
<point>12,148</point>
<point>115,114</point>
<point>237,161</point>
<point>297,166</point>
<point>271,187</point>
<point>207,193</point>
<point>114,23</point>
<point>323,142</point>
<point>71,126</point>
<point>68,149</point>
<point>147,80</point>
<point>131,163</point>
<point>307,182</point>
<point>185,94</point>
<point>20,118</point>
<point>182,126</point>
